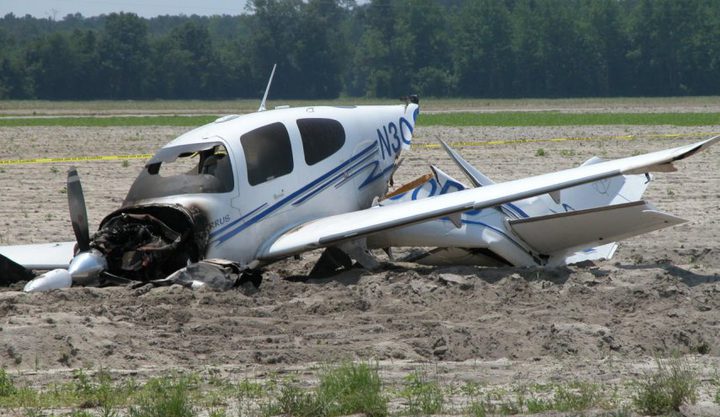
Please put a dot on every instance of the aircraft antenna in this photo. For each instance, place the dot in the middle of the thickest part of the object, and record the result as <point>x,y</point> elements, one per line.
<point>267,89</point>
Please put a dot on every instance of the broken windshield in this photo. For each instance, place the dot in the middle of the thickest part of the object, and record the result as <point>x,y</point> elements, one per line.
<point>186,169</point>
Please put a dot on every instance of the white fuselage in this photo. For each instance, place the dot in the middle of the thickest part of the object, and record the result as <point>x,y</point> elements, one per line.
<point>316,176</point>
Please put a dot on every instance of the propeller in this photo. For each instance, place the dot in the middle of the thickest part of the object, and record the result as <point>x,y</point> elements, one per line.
<point>86,267</point>
<point>78,210</point>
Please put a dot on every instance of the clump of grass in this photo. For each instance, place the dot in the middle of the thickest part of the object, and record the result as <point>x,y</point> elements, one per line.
<point>297,402</point>
<point>422,395</point>
<point>7,387</point>
<point>353,388</point>
<point>574,397</point>
<point>478,409</point>
<point>540,152</point>
<point>350,388</point>
<point>84,391</point>
<point>664,391</point>
<point>165,397</point>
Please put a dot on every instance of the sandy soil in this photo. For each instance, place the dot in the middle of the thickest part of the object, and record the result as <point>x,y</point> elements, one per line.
<point>497,326</point>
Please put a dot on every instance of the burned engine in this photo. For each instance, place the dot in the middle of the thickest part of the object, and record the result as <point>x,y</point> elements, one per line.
<point>145,243</point>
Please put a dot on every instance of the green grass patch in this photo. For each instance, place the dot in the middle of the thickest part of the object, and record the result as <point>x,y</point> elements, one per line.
<point>165,397</point>
<point>422,394</point>
<point>350,388</point>
<point>353,388</point>
<point>564,398</point>
<point>507,119</point>
<point>665,390</point>
<point>512,119</point>
<point>336,390</point>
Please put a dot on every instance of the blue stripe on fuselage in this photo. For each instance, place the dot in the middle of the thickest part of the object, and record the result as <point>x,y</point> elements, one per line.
<point>331,181</point>
<point>294,195</point>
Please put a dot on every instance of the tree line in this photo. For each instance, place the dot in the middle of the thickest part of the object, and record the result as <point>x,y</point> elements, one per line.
<point>382,48</point>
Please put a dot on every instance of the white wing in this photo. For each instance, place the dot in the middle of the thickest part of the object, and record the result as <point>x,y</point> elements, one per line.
<point>41,256</point>
<point>348,226</point>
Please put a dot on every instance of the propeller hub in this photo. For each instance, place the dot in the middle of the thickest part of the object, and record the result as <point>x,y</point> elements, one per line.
<point>85,268</point>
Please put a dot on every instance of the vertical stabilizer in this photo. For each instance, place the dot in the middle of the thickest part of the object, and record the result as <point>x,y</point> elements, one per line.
<point>476,177</point>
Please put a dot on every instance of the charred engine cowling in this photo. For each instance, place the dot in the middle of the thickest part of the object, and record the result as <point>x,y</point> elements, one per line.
<point>150,242</point>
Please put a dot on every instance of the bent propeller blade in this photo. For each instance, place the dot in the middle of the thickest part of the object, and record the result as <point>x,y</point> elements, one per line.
<point>78,210</point>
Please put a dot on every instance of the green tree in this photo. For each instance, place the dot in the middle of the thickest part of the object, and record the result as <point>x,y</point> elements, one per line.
<point>14,82</point>
<point>86,82</point>
<point>123,51</point>
<point>318,48</point>
<point>52,63</point>
<point>272,41</point>
<point>422,49</point>
<point>404,49</point>
<point>554,55</point>
<point>668,47</point>
<point>183,63</point>
<point>482,53</point>
<point>606,31</point>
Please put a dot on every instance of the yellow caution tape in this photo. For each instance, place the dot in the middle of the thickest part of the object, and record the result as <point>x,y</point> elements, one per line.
<point>419,145</point>
<point>73,159</point>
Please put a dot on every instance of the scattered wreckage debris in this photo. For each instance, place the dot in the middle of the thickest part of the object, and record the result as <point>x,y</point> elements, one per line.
<point>214,274</point>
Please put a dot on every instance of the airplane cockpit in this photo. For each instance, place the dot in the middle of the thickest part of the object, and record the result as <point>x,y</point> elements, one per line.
<point>196,168</point>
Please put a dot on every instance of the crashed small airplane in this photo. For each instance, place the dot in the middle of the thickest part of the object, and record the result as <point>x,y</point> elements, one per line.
<point>248,190</point>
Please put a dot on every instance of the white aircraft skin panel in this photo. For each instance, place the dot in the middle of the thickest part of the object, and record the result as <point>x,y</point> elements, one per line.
<point>54,255</point>
<point>591,227</point>
<point>609,191</point>
<point>346,226</point>
<point>592,254</point>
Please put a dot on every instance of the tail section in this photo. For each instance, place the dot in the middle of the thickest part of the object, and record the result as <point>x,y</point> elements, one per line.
<point>573,225</point>
<point>407,122</point>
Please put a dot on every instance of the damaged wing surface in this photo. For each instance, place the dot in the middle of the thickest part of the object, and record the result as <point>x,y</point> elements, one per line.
<point>349,226</point>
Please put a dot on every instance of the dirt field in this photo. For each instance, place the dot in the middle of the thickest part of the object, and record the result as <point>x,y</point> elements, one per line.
<point>499,327</point>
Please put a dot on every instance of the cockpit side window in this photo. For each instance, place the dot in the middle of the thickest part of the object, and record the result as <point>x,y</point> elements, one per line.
<point>268,153</point>
<point>186,169</point>
<point>320,138</point>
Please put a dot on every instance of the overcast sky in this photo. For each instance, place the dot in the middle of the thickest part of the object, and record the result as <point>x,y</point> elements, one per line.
<point>147,8</point>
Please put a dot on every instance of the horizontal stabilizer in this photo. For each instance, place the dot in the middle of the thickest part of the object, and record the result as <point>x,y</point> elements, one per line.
<point>42,256</point>
<point>586,228</point>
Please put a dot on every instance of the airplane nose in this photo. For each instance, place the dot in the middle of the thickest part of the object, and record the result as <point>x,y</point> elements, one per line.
<point>85,268</point>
